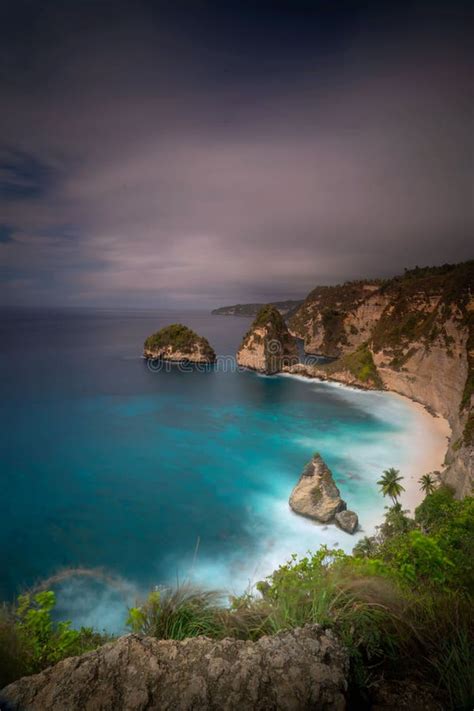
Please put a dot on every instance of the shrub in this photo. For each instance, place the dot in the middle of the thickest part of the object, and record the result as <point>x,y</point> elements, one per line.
<point>176,614</point>
<point>31,641</point>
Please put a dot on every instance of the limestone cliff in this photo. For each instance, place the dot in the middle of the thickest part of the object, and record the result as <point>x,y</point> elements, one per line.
<point>268,346</point>
<point>180,344</point>
<point>304,668</point>
<point>414,335</point>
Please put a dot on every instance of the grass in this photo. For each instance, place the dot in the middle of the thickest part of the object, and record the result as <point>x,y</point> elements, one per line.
<point>388,631</point>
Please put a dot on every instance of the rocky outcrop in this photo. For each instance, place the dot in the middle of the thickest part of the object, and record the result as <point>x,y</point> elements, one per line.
<point>316,495</point>
<point>178,343</point>
<point>412,334</point>
<point>304,668</point>
<point>327,320</point>
<point>268,347</point>
<point>347,520</point>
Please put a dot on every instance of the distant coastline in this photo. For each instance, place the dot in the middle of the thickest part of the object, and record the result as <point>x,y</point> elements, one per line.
<point>286,308</point>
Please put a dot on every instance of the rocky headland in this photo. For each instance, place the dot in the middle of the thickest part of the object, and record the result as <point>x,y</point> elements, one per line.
<point>413,335</point>
<point>317,497</point>
<point>268,347</point>
<point>179,344</point>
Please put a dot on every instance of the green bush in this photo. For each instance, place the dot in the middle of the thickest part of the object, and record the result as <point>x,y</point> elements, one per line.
<point>450,522</point>
<point>31,641</point>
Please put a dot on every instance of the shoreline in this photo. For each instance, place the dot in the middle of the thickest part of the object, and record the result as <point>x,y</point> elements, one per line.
<point>428,458</point>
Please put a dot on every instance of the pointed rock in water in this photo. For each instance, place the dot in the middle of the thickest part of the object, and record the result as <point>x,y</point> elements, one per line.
<point>347,520</point>
<point>316,495</point>
<point>268,346</point>
<point>178,343</point>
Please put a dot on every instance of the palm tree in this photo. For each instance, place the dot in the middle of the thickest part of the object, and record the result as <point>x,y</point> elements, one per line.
<point>390,484</point>
<point>427,484</point>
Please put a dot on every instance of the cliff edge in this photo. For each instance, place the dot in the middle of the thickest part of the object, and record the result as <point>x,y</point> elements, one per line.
<point>304,668</point>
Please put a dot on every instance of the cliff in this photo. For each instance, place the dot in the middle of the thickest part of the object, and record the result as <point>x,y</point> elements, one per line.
<point>180,344</point>
<point>303,668</point>
<point>268,346</point>
<point>412,334</point>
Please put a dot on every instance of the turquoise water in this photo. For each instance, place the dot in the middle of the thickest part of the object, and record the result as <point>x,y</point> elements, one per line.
<point>158,477</point>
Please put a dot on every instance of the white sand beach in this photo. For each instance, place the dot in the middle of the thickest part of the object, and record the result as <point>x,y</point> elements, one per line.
<point>431,437</point>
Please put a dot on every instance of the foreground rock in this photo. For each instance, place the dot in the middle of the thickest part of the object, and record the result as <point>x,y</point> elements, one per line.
<point>316,495</point>
<point>348,521</point>
<point>302,669</point>
<point>268,346</point>
<point>180,344</point>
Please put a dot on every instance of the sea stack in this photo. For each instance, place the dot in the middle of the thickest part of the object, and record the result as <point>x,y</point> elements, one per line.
<point>268,346</point>
<point>316,495</point>
<point>180,344</point>
<point>347,521</point>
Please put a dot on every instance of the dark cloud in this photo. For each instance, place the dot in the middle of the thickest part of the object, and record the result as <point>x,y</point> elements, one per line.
<point>23,176</point>
<point>6,234</point>
<point>199,153</point>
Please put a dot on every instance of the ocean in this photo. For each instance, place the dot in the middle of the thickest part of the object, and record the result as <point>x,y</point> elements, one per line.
<point>145,478</point>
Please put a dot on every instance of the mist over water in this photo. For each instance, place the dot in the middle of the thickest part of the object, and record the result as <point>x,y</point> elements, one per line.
<point>165,477</point>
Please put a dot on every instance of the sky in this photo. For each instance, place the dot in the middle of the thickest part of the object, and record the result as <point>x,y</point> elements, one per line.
<point>196,154</point>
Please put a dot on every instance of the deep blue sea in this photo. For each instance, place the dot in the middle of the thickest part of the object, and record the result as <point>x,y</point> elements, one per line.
<point>158,477</point>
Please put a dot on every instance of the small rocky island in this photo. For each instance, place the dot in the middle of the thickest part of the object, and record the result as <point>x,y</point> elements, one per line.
<point>180,344</point>
<point>316,496</point>
<point>268,346</point>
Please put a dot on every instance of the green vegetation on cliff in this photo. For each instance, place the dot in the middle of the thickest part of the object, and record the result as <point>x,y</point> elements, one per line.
<point>269,317</point>
<point>410,315</point>
<point>30,640</point>
<point>401,604</point>
<point>179,338</point>
<point>332,303</point>
<point>276,332</point>
<point>359,363</point>
<point>420,303</point>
